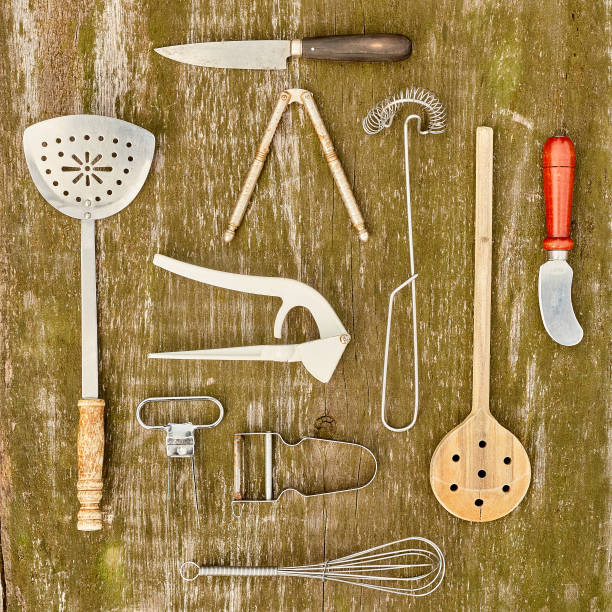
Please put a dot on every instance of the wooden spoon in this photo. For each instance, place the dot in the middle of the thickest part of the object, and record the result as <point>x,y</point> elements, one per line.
<point>480,471</point>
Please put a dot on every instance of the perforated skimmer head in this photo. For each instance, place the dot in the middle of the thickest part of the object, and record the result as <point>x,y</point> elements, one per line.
<point>88,166</point>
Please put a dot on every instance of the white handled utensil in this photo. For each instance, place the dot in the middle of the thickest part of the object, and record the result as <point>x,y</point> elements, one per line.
<point>319,357</point>
<point>88,167</point>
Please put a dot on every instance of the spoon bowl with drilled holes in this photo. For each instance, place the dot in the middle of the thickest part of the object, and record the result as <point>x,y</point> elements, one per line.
<point>480,471</point>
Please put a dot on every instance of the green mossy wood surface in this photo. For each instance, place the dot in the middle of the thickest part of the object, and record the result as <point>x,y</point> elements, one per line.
<point>528,69</point>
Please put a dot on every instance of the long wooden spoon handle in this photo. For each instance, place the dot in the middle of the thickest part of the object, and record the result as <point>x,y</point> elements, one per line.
<point>482,269</point>
<point>90,449</point>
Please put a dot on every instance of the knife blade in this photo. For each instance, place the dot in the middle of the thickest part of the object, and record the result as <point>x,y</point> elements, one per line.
<point>555,277</point>
<point>273,54</point>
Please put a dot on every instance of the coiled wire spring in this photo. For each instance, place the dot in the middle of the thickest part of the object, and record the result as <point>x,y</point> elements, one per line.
<point>381,116</point>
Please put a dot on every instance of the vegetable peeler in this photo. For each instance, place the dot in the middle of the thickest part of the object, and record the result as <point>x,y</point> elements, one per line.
<point>319,357</point>
<point>274,453</point>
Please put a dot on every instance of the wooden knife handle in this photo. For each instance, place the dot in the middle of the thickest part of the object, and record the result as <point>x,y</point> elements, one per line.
<point>558,159</point>
<point>358,48</point>
<point>90,449</point>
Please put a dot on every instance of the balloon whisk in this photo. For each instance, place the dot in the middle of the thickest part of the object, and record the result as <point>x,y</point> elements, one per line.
<point>411,567</point>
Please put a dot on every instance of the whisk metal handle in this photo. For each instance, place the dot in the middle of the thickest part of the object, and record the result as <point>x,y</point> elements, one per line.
<point>238,571</point>
<point>191,570</point>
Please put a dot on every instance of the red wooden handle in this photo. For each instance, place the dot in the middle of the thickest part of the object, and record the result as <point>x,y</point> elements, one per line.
<point>558,160</point>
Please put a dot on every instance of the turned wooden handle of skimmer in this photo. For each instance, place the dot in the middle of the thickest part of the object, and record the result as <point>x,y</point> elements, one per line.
<point>482,268</point>
<point>90,450</point>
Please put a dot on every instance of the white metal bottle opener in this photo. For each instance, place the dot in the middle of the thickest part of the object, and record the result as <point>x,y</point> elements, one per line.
<point>319,357</point>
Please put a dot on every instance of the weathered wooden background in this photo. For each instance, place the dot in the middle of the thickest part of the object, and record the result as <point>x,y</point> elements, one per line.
<point>530,70</point>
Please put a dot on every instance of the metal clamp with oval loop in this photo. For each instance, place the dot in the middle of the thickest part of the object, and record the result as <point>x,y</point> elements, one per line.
<point>180,437</point>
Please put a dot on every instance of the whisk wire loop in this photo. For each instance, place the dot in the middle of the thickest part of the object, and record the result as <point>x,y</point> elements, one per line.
<point>378,118</point>
<point>381,116</point>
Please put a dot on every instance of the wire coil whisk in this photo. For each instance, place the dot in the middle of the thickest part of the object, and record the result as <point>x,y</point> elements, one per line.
<point>378,118</point>
<point>411,567</point>
<point>381,116</point>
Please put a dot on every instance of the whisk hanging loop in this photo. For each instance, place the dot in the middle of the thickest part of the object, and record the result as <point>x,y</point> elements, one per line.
<point>378,118</point>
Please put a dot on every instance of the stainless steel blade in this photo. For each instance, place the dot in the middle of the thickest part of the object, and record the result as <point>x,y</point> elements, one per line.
<point>555,296</point>
<point>243,54</point>
<point>89,318</point>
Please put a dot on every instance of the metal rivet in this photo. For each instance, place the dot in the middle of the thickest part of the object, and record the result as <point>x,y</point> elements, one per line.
<point>88,202</point>
<point>88,215</point>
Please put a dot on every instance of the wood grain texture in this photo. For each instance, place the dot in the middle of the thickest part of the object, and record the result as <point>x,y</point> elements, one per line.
<point>480,471</point>
<point>90,456</point>
<point>483,264</point>
<point>358,48</point>
<point>477,482</point>
<point>528,69</point>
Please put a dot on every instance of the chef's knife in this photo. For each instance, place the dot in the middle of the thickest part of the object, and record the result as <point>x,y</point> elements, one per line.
<point>273,54</point>
<point>555,280</point>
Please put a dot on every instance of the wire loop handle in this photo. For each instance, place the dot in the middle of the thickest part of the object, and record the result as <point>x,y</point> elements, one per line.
<point>378,118</point>
<point>178,398</point>
<point>180,438</point>
<point>383,415</point>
